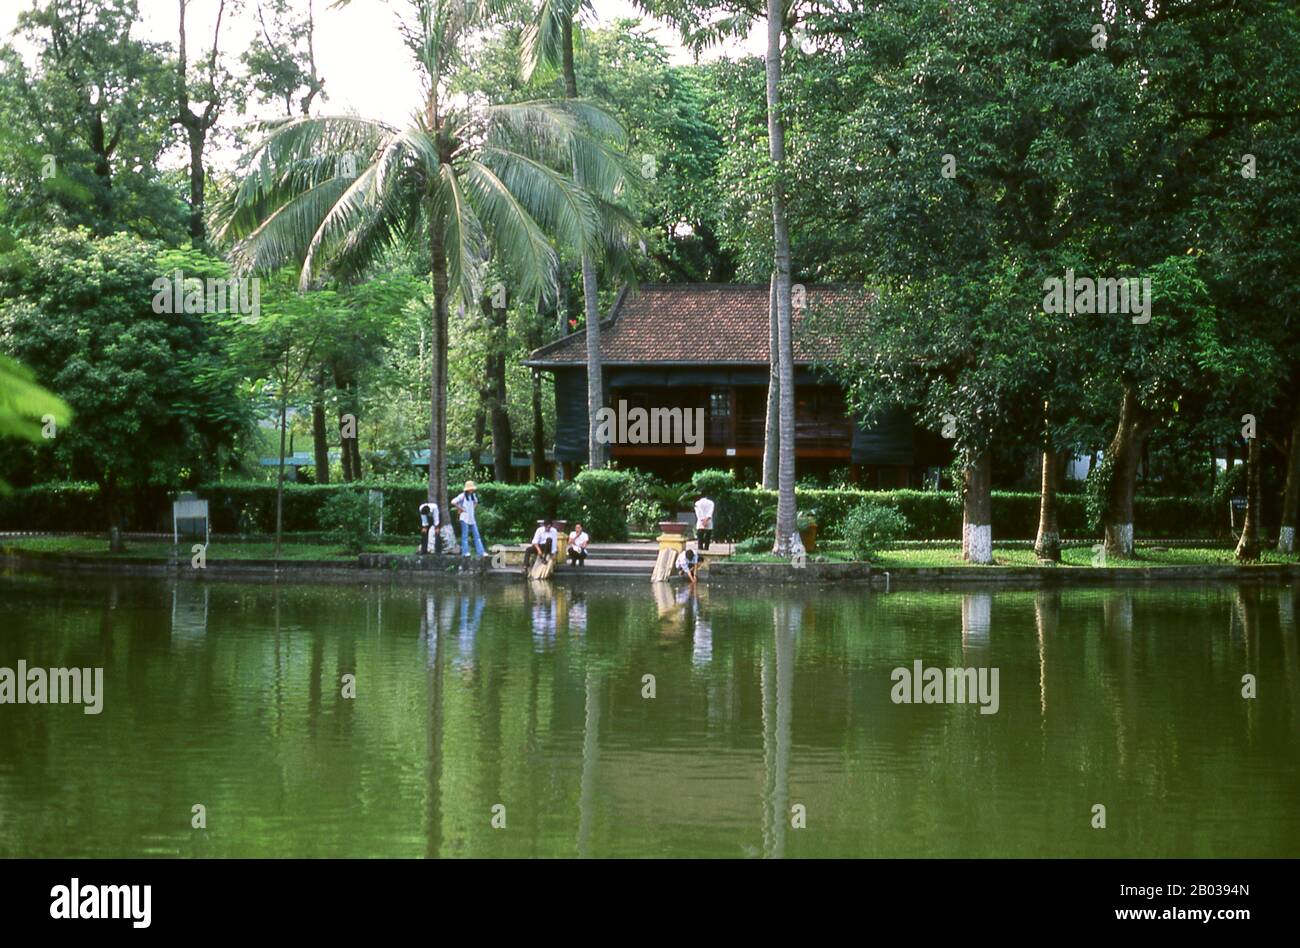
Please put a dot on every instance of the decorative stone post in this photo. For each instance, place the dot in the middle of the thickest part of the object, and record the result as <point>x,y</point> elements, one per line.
<point>672,540</point>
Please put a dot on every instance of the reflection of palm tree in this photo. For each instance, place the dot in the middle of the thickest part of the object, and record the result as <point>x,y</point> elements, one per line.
<point>1246,603</point>
<point>590,754</point>
<point>1287,629</point>
<point>778,708</point>
<point>433,728</point>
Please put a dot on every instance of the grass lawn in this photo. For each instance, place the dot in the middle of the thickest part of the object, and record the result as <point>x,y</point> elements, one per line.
<point>1080,556</point>
<point>217,549</point>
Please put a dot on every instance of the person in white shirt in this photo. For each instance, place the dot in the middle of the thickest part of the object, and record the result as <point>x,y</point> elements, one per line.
<point>688,563</point>
<point>578,541</point>
<point>429,522</point>
<point>704,521</point>
<point>467,502</point>
<point>544,544</point>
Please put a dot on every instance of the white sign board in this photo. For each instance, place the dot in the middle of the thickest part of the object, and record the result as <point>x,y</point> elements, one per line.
<point>190,508</point>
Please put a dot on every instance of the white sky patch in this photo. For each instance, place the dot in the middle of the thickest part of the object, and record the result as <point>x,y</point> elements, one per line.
<point>359,52</point>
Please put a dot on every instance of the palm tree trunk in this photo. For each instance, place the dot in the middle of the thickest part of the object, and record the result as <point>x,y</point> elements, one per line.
<point>785,501</point>
<point>771,426</point>
<point>1248,545</point>
<point>1047,545</point>
<point>438,375</point>
<point>595,378</point>
<point>499,416</point>
<point>279,480</point>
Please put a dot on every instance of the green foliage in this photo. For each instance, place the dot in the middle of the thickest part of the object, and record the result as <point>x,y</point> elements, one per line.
<point>603,495</point>
<point>1230,483</point>
<point>23,405</point>
<point>151,392</point>
<point>509,512</point>
<point>869,527</point>
<point>1096,490</point>
<point>345,517</point>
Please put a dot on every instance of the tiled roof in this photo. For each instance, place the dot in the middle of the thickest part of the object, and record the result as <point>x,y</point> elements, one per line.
<point>699,322</point>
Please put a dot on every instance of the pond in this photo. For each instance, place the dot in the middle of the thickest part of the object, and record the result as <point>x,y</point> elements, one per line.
<point>613,718</point>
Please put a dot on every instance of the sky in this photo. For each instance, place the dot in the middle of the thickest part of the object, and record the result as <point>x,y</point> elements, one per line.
<point>366,67</point>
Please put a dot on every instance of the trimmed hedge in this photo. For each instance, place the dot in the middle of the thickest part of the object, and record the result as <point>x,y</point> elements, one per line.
<point>508,512</point>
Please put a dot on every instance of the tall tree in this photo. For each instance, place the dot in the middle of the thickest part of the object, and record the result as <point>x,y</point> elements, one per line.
<point>281,58</point>
<point>198,124</point>
<point>701,24</point>
<point>85,121</point>
<point>549,40</point>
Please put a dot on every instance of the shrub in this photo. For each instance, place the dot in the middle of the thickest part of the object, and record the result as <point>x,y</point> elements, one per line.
<point>346,518</point>
<point>1095,490</point>
<point>870,526</point>
<point>602,500</point>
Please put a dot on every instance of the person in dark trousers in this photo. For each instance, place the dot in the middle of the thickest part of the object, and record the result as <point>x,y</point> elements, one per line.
<point>704,521</point>
<point>429,527</point>
<point>545,542</point>
<point>578,541</point>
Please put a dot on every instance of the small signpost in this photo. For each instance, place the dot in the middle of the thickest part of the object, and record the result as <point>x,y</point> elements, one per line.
<point>188,510</point>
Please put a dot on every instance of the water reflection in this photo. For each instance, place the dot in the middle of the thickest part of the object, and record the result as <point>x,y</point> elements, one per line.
<point>529,695</point>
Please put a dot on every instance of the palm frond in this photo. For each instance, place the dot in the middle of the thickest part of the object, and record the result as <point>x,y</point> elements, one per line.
<point>464,243</point>
<point>559,205</point>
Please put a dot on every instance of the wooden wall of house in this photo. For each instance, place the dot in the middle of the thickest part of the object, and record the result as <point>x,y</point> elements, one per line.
<point>893,442</point>
<point>571,415</point>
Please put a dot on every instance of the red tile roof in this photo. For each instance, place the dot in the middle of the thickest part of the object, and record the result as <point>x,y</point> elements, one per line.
<point>699,323</point>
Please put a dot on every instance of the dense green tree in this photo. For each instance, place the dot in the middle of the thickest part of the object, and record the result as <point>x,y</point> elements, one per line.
<point>84,124</point>
<point>148,382</point>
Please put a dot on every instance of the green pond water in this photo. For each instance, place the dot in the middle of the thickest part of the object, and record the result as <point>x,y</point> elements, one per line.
<point>525,704</point>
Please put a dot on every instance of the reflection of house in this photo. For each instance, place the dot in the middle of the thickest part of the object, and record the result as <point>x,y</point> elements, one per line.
<point>705,346</point>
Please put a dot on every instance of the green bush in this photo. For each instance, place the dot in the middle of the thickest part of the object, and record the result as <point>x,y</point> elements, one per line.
<point>869,527</point>
<point>346,518</point>
<point>602,500</point>
<point>602,503</point>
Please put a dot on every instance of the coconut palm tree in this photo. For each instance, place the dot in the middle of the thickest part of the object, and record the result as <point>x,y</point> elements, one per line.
<point>704,23</point>
<point>462,180</point>
<point>548,41</point>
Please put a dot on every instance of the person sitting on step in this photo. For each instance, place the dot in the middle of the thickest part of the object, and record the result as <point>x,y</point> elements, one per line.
<point>578,541</point>
<point>544,544</point>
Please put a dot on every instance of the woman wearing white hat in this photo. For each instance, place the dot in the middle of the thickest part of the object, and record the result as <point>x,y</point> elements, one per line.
<point>467,502</point>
